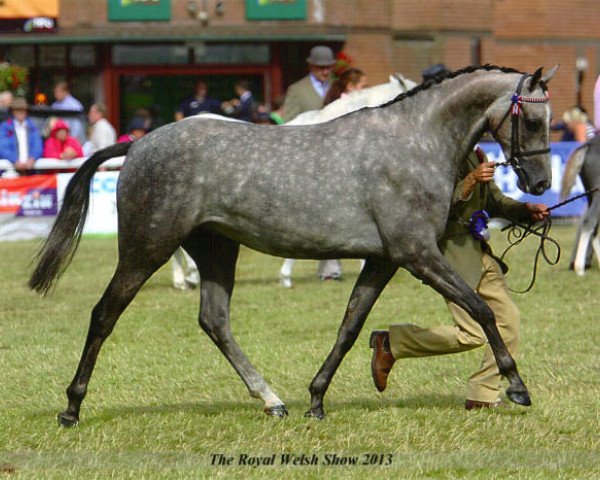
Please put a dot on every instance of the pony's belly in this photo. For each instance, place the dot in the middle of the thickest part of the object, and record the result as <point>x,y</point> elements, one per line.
<point>309,242</point>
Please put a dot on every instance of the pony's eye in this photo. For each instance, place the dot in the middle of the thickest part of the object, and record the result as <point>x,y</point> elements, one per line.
<point>532,124</point>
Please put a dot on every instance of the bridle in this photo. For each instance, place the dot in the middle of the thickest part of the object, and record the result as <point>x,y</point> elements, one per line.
<point>515,109</point>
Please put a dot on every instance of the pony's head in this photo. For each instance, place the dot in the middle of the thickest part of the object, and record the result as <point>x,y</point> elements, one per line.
<point>521,125</point>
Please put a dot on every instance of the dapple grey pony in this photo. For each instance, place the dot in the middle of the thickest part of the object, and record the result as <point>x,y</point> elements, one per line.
<point>373,184</point>
<point>585,162</point>
<point>366,98</point>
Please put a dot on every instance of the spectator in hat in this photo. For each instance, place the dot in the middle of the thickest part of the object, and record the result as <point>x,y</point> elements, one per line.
<point>60,144</point>
<point>138,127</point>
<point>309,92</point>
<point>20,140</point>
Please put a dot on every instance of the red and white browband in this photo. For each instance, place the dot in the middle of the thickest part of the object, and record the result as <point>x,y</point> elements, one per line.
<point>518,100</point>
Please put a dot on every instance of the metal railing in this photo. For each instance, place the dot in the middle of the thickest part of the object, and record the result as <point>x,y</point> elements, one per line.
<point>7,168</point>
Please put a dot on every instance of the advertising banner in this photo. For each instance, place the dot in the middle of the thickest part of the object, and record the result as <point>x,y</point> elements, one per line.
<point>102,214</point>
<point>139,10</point>
<point>28,15</point>
<point>28,206</point>
<point>28,8</point>
<point>276,9</point>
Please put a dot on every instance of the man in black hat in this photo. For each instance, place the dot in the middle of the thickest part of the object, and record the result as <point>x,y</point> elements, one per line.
<point>308,93</point>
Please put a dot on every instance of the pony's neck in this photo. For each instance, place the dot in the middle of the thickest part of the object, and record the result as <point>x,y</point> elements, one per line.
<point>461,106</point>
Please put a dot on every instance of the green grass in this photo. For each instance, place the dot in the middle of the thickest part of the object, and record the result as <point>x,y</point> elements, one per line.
<point>163,399</point>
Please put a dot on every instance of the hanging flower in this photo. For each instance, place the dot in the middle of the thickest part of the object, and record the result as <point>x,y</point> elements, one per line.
<point>40,99</point>
<point>14,79</point>
<point>343,62</point>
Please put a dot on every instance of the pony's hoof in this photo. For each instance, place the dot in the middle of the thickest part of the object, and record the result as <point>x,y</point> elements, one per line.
<point>317,413</point>
<point>67,420</point>
<point>520,398</point>
<point>277,411</point>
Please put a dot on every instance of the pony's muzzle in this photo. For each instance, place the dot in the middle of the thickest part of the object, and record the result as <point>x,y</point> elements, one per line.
<point>540,187</point>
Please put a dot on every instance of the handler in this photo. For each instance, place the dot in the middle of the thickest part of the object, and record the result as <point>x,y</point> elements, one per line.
<point>473,260</point>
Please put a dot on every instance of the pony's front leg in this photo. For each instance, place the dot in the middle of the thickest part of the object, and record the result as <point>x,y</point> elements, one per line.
<point>372,280</point>
<point>433,269</point>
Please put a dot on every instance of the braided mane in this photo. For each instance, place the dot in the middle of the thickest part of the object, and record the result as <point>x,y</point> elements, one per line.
<point>445,76</point>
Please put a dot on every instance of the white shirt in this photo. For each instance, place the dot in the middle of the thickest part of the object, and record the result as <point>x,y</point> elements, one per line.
<point>103,135</point>
<point>320,87</point>
<point>23,145</point>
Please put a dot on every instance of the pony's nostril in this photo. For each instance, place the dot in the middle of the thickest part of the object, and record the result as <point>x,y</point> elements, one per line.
<point>541,187</point>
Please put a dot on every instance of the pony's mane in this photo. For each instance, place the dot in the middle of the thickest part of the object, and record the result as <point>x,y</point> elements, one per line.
<point>445,76</point>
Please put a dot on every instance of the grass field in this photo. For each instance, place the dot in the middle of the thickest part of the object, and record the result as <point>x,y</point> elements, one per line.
<point>164,403</point>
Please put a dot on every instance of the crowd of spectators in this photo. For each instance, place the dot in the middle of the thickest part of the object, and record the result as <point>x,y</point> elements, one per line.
<point>22,142</point>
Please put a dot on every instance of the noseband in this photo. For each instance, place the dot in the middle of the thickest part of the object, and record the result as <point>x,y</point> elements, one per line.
<point>515,109</point>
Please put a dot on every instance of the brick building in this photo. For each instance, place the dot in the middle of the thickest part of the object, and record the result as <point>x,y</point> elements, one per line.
<point>150,61</point>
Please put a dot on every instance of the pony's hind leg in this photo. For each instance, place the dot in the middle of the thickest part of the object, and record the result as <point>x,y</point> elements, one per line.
<point>582,248</point>
<point>596,246</point>
<point>124,285</point>
<point>588,232</point>
<point>433,269</point>
<point>216,257</point>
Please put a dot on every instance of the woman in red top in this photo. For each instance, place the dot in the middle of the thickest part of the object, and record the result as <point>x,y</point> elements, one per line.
<point>60,145</point>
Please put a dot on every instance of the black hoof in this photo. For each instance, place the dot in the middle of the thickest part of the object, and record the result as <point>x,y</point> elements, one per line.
<point>520,397</point>
<point>277,411</point>
<point>67,420</point>
<point>319,414</point>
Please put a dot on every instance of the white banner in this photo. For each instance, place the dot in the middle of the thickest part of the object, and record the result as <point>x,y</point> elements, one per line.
<point>102,215</point>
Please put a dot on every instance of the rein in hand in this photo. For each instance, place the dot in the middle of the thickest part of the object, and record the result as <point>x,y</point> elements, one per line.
<point>517,232</point>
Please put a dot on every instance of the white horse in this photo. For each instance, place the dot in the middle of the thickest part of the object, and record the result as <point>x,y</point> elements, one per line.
<point>366,98</point>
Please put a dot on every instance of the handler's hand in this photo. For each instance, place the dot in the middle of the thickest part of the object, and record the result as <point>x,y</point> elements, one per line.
<point>538,211</point>
<point>484,172</point>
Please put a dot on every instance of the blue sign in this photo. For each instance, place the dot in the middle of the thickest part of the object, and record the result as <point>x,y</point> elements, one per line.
<point>506,179</point>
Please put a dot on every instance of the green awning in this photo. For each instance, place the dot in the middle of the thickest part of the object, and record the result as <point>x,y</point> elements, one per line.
<point>150,33</point>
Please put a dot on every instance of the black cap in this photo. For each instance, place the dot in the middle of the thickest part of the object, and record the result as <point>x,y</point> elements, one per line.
<point>433,71</point>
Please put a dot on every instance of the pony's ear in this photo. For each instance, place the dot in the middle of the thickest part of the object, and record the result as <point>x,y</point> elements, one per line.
<point>535,78</point>
<point>550,73</point>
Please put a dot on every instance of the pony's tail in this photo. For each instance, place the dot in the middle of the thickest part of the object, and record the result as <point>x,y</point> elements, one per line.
<point>572,169</point>
<point>58,249</point>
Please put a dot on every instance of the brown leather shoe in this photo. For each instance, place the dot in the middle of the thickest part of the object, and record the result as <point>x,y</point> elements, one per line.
<point>475,405</point>
<point>382,360</point>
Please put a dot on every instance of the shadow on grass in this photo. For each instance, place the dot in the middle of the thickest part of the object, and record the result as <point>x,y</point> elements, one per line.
<point>298,281</point>
<point>297,408</point>
<point>456,403</point>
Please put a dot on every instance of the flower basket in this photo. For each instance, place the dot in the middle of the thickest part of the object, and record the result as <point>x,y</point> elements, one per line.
<point>13,79</point>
